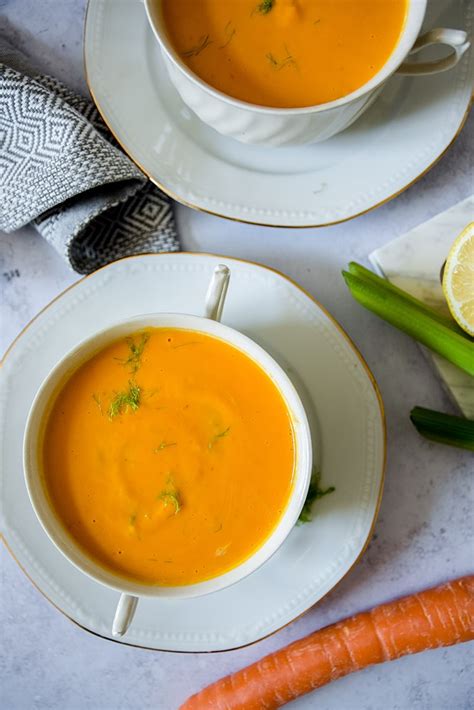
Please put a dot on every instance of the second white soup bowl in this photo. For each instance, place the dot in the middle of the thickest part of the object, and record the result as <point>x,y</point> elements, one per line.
<point>132,590</point>
<point>250,123</point>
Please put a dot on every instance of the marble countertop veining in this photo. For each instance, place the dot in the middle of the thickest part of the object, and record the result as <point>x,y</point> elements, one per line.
<point>424,532</point>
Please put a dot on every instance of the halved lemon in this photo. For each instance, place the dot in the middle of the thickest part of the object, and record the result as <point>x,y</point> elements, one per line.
<point>458,280</point>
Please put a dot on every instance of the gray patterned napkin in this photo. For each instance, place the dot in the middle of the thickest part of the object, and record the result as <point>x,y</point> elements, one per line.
<point>61,170</point>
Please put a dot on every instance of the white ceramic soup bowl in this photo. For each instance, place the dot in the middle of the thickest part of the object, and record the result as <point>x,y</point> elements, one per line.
<point>34,432</point>
<point>250,123</point>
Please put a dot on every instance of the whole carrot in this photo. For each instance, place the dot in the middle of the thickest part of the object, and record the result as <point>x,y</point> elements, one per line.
<point>441,616</point>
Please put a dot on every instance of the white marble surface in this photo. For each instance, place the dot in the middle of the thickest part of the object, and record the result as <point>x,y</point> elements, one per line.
<point>413,262</point>
<point>424,532</point>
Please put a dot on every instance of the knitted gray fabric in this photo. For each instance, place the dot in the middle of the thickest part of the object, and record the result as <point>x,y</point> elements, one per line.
<point>61,170</point>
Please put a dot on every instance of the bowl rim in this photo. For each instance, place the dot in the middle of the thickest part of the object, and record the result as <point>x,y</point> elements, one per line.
<point>85,349</point>
<point>414,16</point>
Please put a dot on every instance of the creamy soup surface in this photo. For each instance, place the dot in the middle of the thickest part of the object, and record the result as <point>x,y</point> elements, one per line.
<point>285,53</point>
<point>169,456</point>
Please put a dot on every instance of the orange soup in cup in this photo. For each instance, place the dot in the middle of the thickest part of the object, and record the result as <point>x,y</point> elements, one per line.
<point>169,456</point>
<point>285,53</point>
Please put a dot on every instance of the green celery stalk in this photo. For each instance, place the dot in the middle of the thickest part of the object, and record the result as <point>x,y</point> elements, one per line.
<point>365,274</point>
<point>444,428</point>
<point>394,306</point>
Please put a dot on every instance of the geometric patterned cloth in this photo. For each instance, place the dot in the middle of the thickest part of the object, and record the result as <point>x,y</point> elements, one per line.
<point>61,170</point>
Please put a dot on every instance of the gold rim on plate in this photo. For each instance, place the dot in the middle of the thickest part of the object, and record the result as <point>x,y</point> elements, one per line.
<point>356,352</point>
<point>186,203</point>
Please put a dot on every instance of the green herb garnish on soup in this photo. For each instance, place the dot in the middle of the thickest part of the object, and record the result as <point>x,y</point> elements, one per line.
<point>136,345</point>
<point>128,400</point>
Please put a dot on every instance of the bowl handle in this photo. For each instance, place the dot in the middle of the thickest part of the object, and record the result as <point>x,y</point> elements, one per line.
<point>216,292</point>
<point>456,39</point>
<point>124,614</point>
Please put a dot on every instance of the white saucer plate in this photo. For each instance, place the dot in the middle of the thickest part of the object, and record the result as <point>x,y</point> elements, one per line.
<point>394,143</point>
<point>339,394</point>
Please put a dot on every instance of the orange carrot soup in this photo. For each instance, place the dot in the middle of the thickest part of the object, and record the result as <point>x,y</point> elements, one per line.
<point>169,456</point>
<point>285,53</point>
